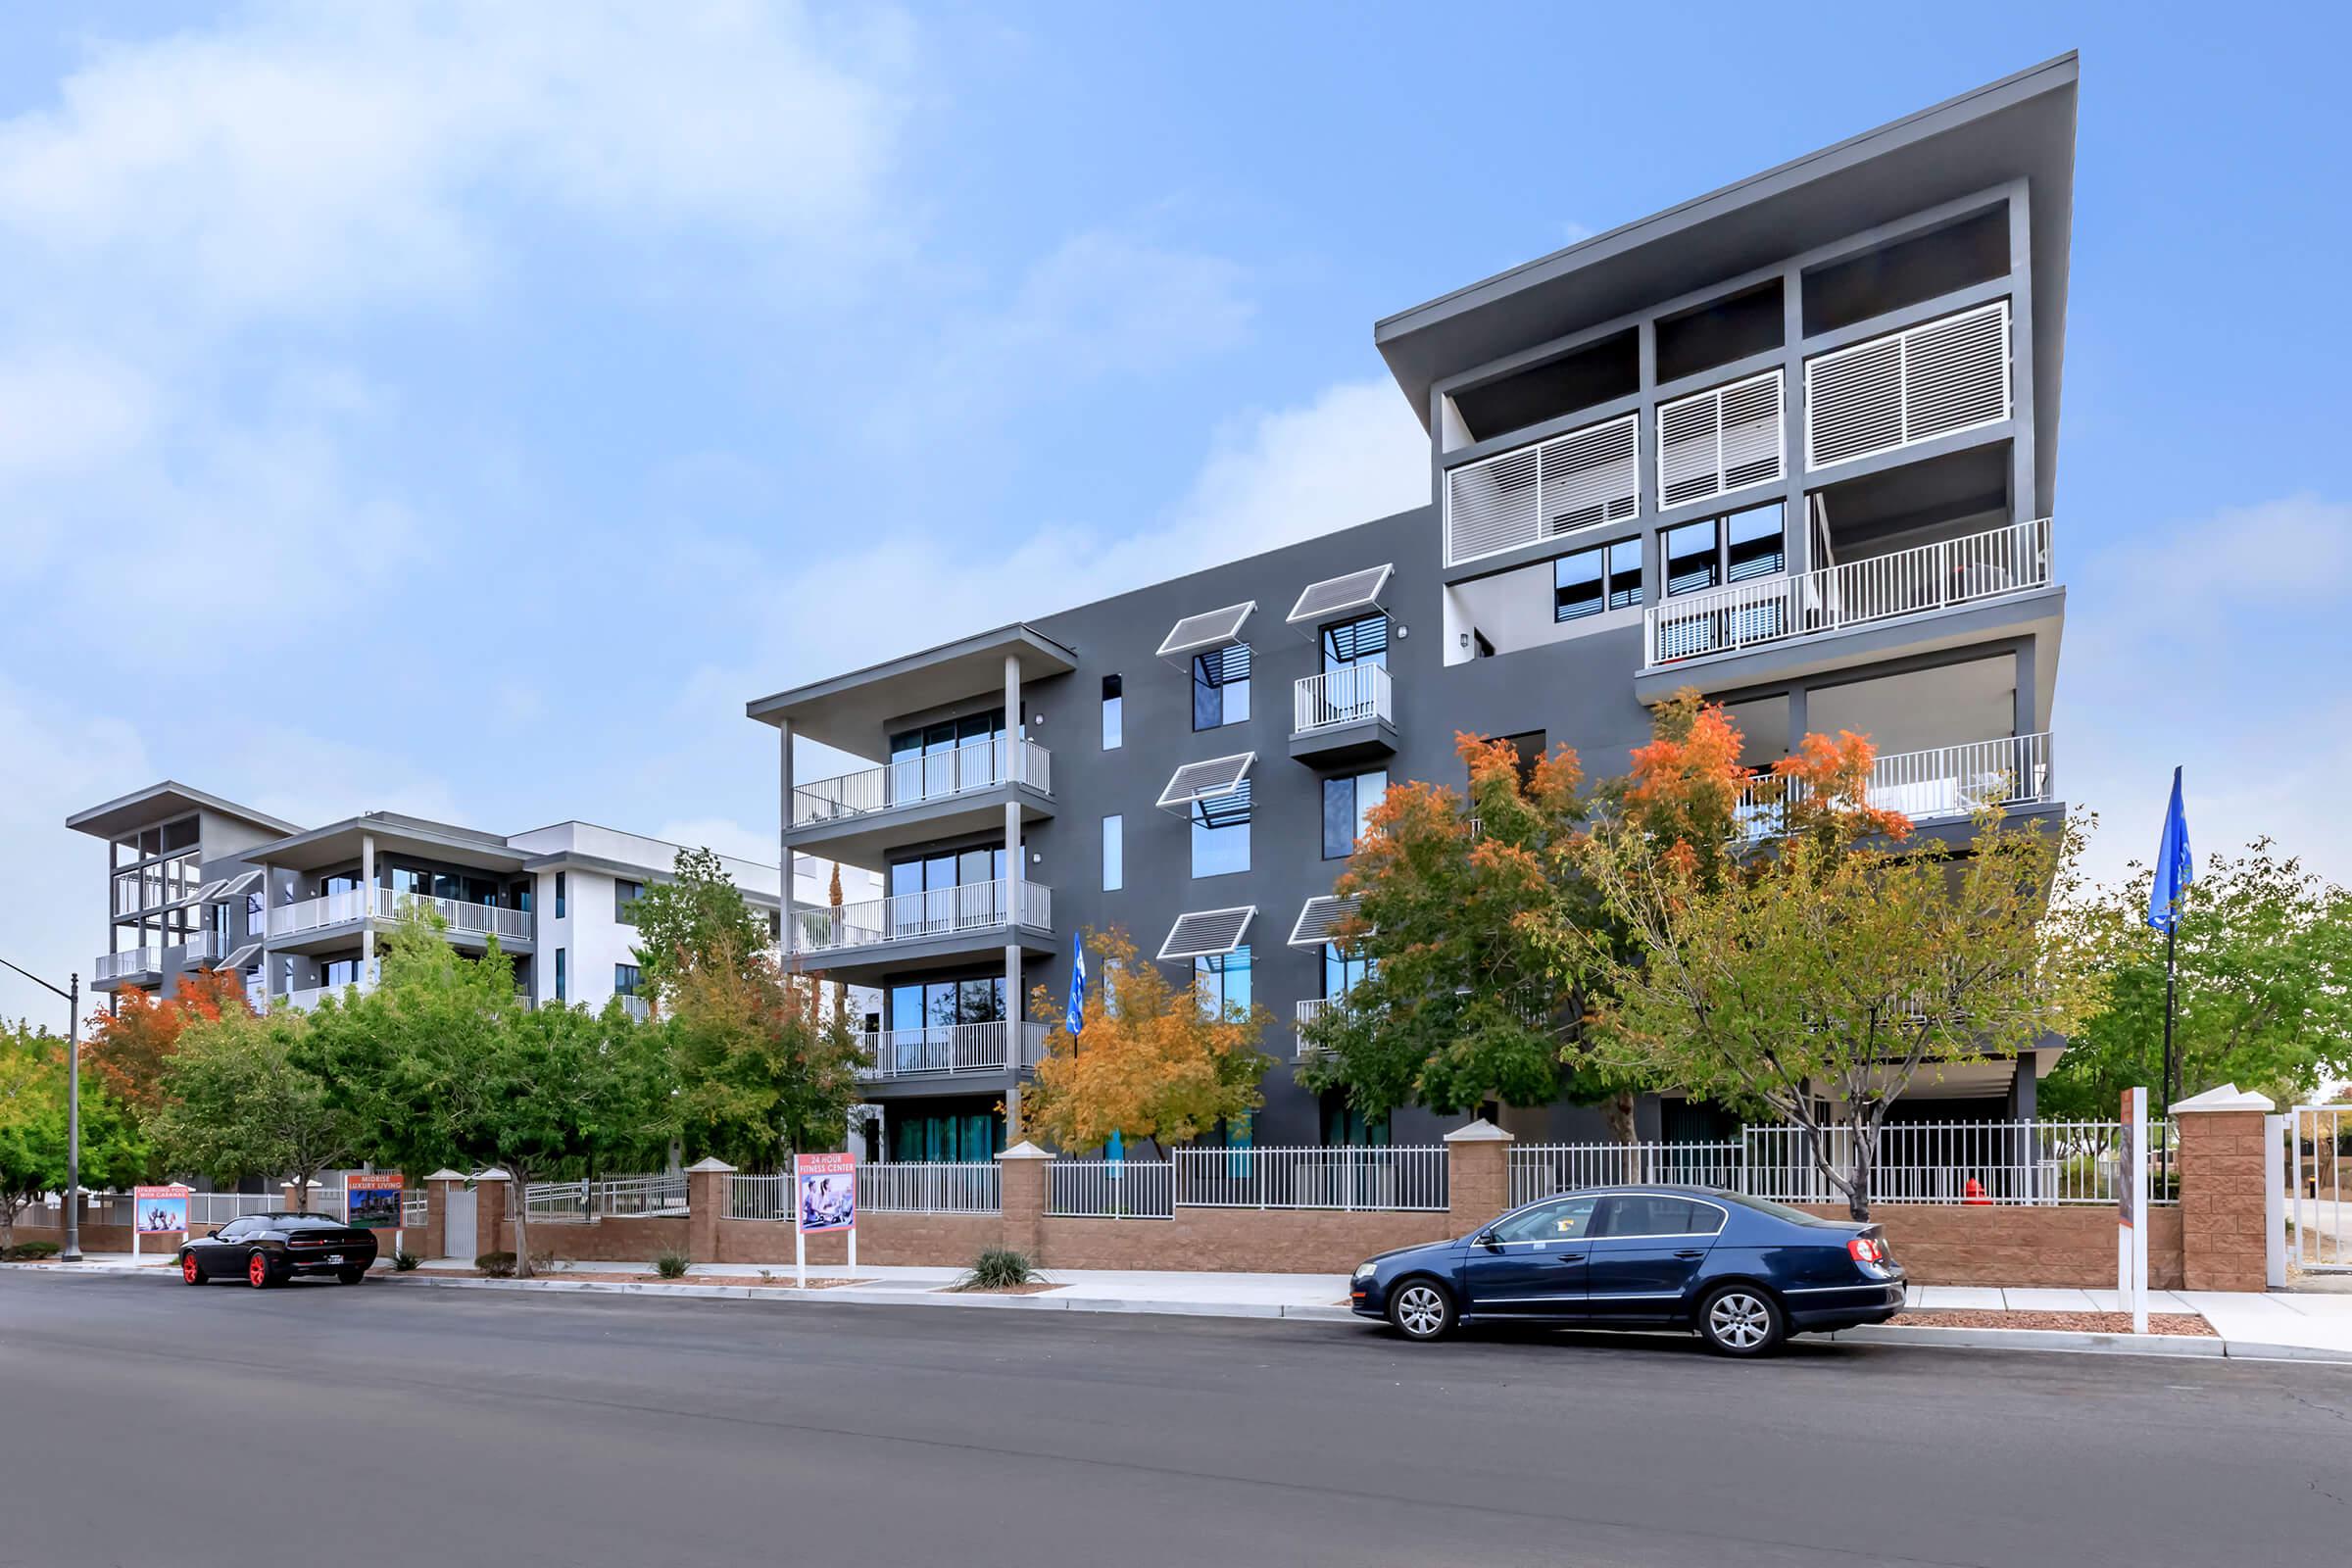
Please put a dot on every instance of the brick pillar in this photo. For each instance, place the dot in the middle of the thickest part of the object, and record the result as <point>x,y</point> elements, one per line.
<point>1478,1174</point>
<point>289,1195</point>
<point>705,1205</point>
<point>2224,1156</point>
<point>442,1188</point>
<point>1022,1168</point>
<point>491,1232</point>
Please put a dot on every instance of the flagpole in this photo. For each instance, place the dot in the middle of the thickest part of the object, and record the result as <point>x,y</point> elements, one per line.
<point>2172,935</point>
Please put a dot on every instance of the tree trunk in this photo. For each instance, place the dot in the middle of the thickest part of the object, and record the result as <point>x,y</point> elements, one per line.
<point>1865,1161</point>
<point>1619,1109</point>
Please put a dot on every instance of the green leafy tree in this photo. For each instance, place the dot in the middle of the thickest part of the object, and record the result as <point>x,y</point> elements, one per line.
<point>1150,1062</point>
<point>693,921</point>
<point>242,1100</point>
<point>2264,987</point>
<point>764,1070</point>
<point>33,1126</point>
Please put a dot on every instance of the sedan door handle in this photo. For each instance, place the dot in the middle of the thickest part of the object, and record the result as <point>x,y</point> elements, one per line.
<point>1691,1252</point>
<point>1569,1258</point>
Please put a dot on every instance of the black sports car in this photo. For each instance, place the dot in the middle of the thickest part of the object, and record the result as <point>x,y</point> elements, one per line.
<point>265,1249</point>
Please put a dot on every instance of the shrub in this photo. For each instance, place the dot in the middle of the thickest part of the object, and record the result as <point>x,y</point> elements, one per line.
<point>403,1262</point>
<point>671,1265</point>
<point>999,1268</point>
<point>498,1265</point>
<point>29,1252</point>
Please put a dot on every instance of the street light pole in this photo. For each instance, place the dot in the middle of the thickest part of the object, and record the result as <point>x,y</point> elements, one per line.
<point>71,1253</point>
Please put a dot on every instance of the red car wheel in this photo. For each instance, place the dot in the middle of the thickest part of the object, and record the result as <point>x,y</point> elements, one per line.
<point>256,1271</point>
<point>189,1273</point>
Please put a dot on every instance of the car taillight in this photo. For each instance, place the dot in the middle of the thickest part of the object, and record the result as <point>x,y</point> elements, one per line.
<point>1867,1249</point>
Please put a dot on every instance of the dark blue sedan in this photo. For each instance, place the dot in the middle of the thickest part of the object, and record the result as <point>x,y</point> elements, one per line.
<point>1741,1272</point>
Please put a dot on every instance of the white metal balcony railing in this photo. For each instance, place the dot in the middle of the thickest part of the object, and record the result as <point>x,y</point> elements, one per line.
<point>1905,387</point>
<point>1309,1008</point>
<point>915,780</point>
<point>1547,488</point>
<point>637,1008</point>
<point>305,998</point>
<point>384,903</point>
<point>910,916</point>
<point>1942,781</point>
<point>201,949</point>
<point>947,1048</point>
<point>2012,559</point>
<point>1350,695</point>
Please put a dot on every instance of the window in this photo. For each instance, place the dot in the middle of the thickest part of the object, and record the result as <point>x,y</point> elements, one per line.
<point>1361,641</point>
<point>1589,581</point>
<point>1656,1215</point>
<point>1114,703</point>
<point>559,895</point>
<point>1114,854</point>
<point>624,901</point>
<point>937,877</point>
<point>972,729</point>
<point>1570,1219</point>
<point>1221,832</point>
<point>963,1137</point>
<point>1345,1127</point>
<point>1221,980</point>
<point>341,972</point>
<point>1342,970</point>
<point>559,974</point>
<point>1346,805</point>
<point>624,979</point>
<point>1221,686</point>
<point>1739,548</point>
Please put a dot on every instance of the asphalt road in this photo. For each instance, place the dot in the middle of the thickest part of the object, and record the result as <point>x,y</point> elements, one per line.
<point>143,1423</point>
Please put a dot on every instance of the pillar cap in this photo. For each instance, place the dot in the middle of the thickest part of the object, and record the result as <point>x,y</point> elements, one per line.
<point>2228,1096</point>
<point>493,1174</point>
<point>1025,1150</point>
<point>445,1174</point>
<point>710,1163</point>
<point>1481,1130</point>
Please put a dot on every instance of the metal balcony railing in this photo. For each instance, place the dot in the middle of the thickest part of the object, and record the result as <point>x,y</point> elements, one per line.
<point>133,960</point>
<point>1940,781</point>
<point>1309,1008</point>
<point>383,904</point>
<point>915,780</point>
<point>936,1049</point>
<point>1348,695</point>
<point>2011,559</point>
<point>911,917</point>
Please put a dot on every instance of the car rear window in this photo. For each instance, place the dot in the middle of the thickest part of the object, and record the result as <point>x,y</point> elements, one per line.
<point>1656,1215</point>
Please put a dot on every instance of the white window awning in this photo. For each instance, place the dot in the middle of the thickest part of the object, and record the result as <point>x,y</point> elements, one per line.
<point>234,886</point>
<point>1205,933</point>
<point>1318,917</point>
<point>1214,628</point>
<point>1339,596</point>
<point>1196,782</point>
<point>241,956</point>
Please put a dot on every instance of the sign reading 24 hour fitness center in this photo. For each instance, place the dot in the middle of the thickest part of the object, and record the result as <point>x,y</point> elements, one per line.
<point>827,1196</point>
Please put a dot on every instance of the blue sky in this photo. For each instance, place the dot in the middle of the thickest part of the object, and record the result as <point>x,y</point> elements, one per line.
<point>463,410</point>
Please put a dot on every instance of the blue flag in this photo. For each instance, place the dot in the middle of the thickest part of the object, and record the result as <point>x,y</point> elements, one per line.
<point>1074,1019</point>
<point>2174,870</point>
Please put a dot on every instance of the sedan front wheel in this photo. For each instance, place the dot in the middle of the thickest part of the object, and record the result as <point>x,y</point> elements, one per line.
<point>1421,1310</point>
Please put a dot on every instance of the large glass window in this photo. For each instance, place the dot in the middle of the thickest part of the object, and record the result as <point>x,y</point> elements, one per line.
<point>1737,548</point>
<point>1586,582</point>
<point>959,1137</point>
<point>1221,980</point>
<point>1345,1127</point>
<point>1114,704</point>
<point>1221,686</point>
<point>1361,641</point>
<point>938,877</point>
<point>624,979</point>
<point>1221,833</point>
<point>624,901</point>
<point>1114,854</point>
<point>1344,971</point>
<point>1347,805</point>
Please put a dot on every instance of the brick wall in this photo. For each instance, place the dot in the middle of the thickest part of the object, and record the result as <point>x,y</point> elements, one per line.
<point>922,1240</point>
<point>2225,1157</point>
<point>1943,1244</point>
<point>1242,1240</point>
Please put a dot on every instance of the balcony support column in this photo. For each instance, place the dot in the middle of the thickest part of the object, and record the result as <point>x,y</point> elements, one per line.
<point>2025,699</point>
<point>784,919</point>
<point>268,977</point>
<point>1015,874</point>
<point>366,901</point>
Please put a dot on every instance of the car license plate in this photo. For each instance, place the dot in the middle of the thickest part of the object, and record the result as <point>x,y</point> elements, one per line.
<point>336,1258</point>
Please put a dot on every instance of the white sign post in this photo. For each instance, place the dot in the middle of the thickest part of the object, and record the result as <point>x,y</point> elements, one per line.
<point>2132,1209</point>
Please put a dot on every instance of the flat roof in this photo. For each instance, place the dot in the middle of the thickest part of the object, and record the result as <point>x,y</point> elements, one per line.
<point>157,803</point>
<point>840,710</point>
<point>2021,126</point>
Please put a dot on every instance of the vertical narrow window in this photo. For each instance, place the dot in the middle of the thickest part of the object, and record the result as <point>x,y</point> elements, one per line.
<point>1221,832</point>
<point>1625,573</point>
<point>1690,558</point>
<point>1348,804</point>
<point>624,979</point>
<point>559,974</point>
<point>624,901</point>
<point>1753,543</point>
<point>1221,686</point>
<point>559,895</point>
<point>1114,703</point>
<point>1114,852</point>
<point>1221,980</point>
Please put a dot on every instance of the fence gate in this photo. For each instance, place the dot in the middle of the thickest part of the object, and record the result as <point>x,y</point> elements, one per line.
<point>2319,1193</point>
<point>457,1225</point>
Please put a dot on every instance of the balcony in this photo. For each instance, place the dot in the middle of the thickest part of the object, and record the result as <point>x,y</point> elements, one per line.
<point>1344,714</point>
<point>306,998</point>
<point>947,1049</point>
<point>639,1009</point>
<point>2011,560</point>
<point>858,941</point>
<point>855,816</point>
<point>1309,1008</point>
<point>1943,782</point>
<point>147,965</point>
<point>465,922</point>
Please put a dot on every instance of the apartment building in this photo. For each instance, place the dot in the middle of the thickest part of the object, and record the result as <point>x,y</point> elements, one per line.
<point>198,882</point>
<point>1792,443</point>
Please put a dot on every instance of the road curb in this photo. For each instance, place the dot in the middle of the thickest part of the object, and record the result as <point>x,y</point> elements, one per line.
<point>928,1297</point>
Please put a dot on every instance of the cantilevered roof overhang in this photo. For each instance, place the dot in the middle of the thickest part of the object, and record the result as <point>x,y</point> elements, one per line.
<point>339,842</point>
<point>845,711</point>
<point>159,803</point>
<point>2022,126</point>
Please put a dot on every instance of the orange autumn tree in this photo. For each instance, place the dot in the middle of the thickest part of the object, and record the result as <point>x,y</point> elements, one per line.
<point>129,1046</point>
<point>1150,1060</point>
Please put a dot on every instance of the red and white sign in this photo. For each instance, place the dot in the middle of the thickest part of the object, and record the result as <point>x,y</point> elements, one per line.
<point>160,1211</point>
<point>828,1193</point>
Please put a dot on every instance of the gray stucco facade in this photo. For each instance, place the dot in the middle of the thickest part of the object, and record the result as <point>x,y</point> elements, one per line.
<point>1900,297</point>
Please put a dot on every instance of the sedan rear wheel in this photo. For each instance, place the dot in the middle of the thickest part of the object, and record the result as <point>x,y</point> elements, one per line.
<point>1421,1310</point>
<point>256,1271</point>
<point>190,1271</point>
<point>352,1276</point>
<point>1740,1320</point>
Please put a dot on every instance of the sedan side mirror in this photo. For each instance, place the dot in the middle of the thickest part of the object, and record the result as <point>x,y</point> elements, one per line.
<point>1487,1239</point>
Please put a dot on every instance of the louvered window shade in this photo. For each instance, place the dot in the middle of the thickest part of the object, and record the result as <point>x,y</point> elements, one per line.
<point>1571,481</point>
<point>1720,440</point>
<point>1930,381</point>
<point>1206,932</point>
<point>1316,919</point>
<point>239,958</point>
<point>1210,629</point>
<point>1194,781</point>
<point>1336,596</point>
